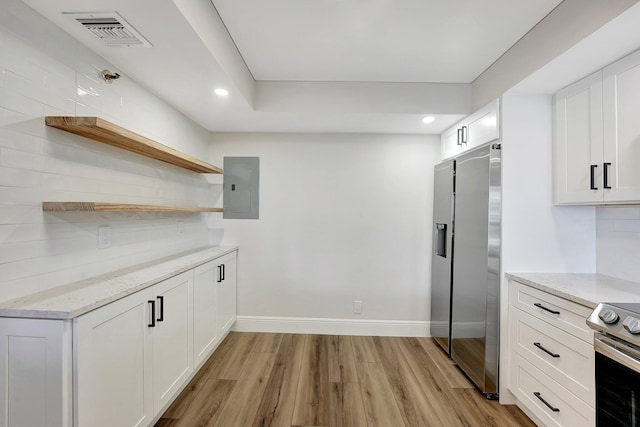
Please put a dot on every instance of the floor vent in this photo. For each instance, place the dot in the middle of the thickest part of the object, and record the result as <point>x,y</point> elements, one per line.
<point>111,28</point>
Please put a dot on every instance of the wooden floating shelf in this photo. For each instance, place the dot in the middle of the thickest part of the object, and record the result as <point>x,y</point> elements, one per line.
<point>117,207</point>
<point>108,133</point>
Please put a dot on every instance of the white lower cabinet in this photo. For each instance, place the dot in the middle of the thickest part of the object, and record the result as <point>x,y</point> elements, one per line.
<point>551,357</point>
<point>113,364</point>
<point>172,337</point>
<point>546,399</point>
<point>121,364</point>
<point>205,307</point>
<point>35,375</point>
<point>226,281</point>
<point>214,304</point>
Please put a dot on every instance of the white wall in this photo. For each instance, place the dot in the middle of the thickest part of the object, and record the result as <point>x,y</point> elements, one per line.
<point>342,217</point>
<point>45,72</point>
<point>536,236</point>
<point>618,242</point>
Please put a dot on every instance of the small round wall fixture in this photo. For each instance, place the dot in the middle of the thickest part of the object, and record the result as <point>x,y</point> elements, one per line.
<point>109,77</point>
<point>221,92</point>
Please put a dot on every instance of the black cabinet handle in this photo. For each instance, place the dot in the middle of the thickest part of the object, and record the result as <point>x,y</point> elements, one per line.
<point>537,344</point>
<point>161,306</point>
<point>593,177</point>
<point>606,176</point>
<point>537,394</point>
<point>465,134</point>
<point>153,314</point>
<point>537,304</point>
<point>219,273</point>
<point>224,270</point>
<point>459,136</point>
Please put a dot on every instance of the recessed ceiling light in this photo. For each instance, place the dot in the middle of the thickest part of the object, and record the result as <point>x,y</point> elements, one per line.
<point>221,92</point>
<point>428,119</point>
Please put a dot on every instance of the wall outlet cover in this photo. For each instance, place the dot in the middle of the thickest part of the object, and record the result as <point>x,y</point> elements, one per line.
<point>357,307</point>
<point>104,237</point>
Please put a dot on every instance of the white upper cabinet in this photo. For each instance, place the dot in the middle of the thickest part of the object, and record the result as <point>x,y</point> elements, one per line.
<point>452,142</point>
<point>480,127</point>
<point>597,137</point>
<point>578,142</point>
<point>621,101</point>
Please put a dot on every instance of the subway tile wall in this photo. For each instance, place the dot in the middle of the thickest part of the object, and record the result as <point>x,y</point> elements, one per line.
<point>618,242</point>
<point>43,71</point>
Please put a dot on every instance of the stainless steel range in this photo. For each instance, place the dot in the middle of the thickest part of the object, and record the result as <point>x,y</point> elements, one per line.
<point>617,346</point>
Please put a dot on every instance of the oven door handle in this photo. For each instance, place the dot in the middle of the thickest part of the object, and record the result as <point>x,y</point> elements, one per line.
<point>626,355</point>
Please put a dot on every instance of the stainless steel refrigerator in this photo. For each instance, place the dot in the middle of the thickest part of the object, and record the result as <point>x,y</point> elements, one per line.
<point>465,268</point>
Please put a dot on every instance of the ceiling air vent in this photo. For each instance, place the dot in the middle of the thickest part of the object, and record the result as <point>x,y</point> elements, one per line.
<point>111,28</point>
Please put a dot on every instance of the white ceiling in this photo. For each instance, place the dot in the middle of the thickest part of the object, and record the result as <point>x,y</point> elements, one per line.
<point>365,66</point>
<point>376,40</point>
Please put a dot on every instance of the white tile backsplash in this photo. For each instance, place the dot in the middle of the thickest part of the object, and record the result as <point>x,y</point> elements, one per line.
<point>618,242</point>
<point>43,71</point>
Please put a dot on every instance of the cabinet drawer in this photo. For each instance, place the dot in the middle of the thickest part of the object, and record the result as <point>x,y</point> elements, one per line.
<point>574,365</point>
<point>527,381</point>
<point>559,312</point>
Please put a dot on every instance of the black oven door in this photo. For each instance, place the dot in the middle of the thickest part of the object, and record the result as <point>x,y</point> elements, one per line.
<point>617,383</point>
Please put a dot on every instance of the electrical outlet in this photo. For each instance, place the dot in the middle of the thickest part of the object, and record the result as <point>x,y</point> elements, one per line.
<point>357,307</point>
<point>180,227</point>
<point>104,237</point>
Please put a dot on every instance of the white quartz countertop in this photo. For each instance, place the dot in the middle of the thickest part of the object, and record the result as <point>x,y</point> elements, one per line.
<point>585,289</point>
<point>75,299</point>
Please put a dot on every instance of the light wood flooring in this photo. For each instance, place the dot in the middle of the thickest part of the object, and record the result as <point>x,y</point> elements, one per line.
<point>322,380</point>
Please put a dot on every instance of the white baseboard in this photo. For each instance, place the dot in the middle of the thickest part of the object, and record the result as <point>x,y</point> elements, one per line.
<point>308,325</point>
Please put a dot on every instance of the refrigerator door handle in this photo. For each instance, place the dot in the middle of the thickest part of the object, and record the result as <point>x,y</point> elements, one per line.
<point>441,240</point>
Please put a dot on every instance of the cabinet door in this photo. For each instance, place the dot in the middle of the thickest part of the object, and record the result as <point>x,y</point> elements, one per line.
<point>112,356</point>
<point>226,280</point>
<point>621,103</point>
<point>482,126</point>
<point>172,337</point>
<point>35,374</point>
<point>205,305</point>
<point>451,142</point>
<point>578,142</point>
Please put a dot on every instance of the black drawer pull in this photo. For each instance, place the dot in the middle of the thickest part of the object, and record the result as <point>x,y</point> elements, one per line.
<point>220,276</point>
<point>537,304</point>
<point>153,314</point>
<point>224,271</point>
<point>537,394</point>
<point>161,307</point>
<point>606,176</point>
<point>537,344</point>
<point>593,177</point>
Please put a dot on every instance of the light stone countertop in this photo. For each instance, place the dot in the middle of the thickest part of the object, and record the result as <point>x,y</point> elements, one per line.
<point>585,289</point>
<point>75,299</point>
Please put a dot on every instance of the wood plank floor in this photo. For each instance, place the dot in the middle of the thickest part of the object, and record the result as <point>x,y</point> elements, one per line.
<point>291,380</point>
